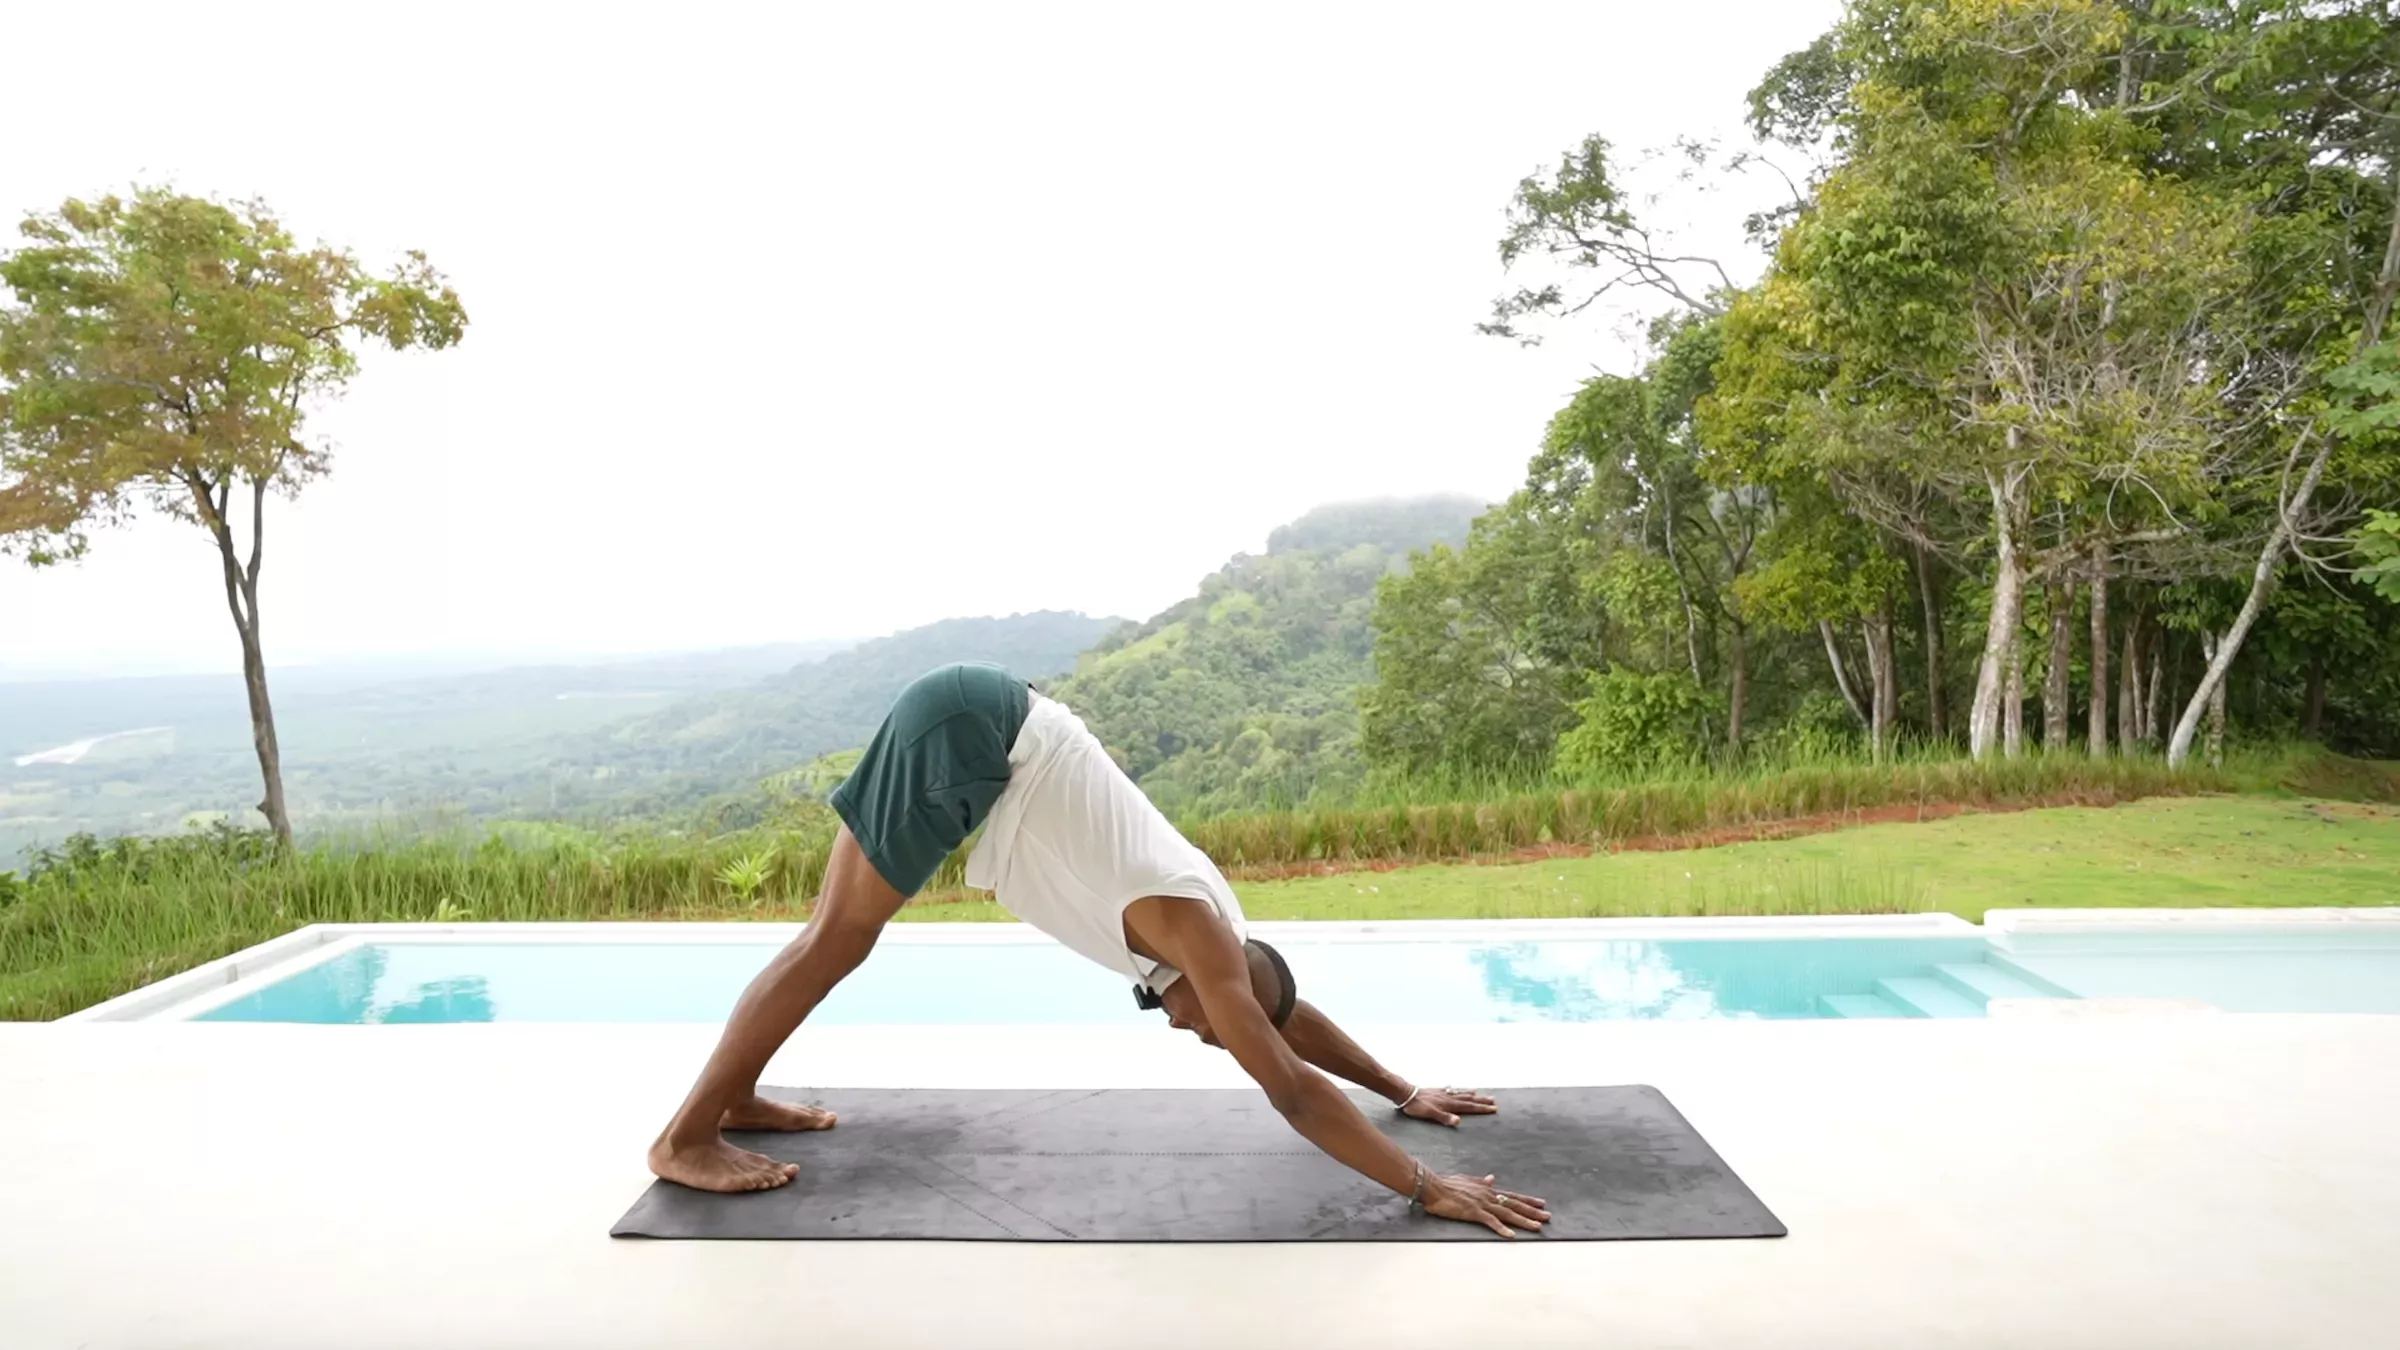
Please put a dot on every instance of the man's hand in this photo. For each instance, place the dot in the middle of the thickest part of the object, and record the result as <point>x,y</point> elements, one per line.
<point>1478,1200</point>
<point>1443,1106</point>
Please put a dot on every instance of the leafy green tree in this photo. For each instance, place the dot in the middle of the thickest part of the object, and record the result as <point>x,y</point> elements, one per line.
<point>1824,570</point>
<point>2379,545</point>
<point>1649,495</point>
<point>163,351</point>
<point>2045,319</point>
<point>1578,223</point>
<point>2294,106</point>
<point>1630,723</point>
<point>1469,653</point>
<point>1987,299</point>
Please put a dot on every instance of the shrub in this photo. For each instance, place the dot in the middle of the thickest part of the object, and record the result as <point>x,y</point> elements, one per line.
<point>1631,722</point>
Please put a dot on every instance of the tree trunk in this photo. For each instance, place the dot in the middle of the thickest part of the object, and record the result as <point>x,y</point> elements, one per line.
<point>1992,682</point>
<point>2171,655</point>
<point>2262,578</point>
<point>2216,648</point>
<point>2312,719</point>
<point>2153,665</point>
<point>1738,652</point>
<point>1841,677</point>
<point>2129,688</point>
<point>1936,718</point>
<point>2262,584</point>
<point>2099,673</point>
<point>1885,698</point>
<point>241,596</point>
<point>1691,620</point>
<point>2054,679</point>
<point>2013,711</point>
<point>262,724</point>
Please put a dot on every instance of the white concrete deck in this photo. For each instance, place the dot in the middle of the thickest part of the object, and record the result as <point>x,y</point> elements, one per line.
<point>2168,1180</point>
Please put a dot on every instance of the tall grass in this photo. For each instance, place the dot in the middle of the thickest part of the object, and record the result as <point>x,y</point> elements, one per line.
<point>1604,816</point>
<point>93,920</point>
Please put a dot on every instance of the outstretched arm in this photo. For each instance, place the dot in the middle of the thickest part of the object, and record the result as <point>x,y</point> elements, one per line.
<point>1314,1037</point>
<point>1188,935</point>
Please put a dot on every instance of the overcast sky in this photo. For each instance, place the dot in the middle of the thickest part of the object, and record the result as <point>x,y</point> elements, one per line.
<point>821,322</point>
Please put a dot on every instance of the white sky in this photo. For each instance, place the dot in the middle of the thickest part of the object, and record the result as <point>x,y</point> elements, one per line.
<point>836,321</point>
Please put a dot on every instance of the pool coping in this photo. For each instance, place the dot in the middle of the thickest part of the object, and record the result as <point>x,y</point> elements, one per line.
<point>2298,919</point>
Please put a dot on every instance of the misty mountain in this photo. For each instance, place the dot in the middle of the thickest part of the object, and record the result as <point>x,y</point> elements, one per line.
<point>1246,692</point>
<point>324,710</point>
<point>728,741</point>
<point>1243,692</point>
<point>1396,525</point>
<point>145,754</point>
<point>647,735</point>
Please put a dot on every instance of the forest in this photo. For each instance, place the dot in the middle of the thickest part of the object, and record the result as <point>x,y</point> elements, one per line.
<point>2064,416</point>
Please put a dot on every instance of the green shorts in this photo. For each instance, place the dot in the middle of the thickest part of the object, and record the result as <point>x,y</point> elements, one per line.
<point>934,769</point>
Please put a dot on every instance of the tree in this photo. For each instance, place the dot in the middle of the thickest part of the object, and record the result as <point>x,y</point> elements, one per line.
<point>1475,651</point>
<point>1986,300</point>
<point>164,352</point>
<point>2379,545</point>
<point>1627,459</point>
<point>2077,303</point>
<point>1825,570</point>
<point>1581,218</point>
<point>2297,104</point>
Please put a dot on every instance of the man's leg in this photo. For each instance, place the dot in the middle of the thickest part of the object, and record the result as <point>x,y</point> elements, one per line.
<point>851,911</point>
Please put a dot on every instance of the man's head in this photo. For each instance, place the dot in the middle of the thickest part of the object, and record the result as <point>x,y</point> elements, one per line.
<point>1270,982</point>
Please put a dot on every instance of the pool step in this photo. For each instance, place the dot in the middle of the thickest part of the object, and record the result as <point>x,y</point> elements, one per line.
<point>2016,970</point>
<point>1981,982</point>
<point>1858,1005</point>
<point>1919,996</point>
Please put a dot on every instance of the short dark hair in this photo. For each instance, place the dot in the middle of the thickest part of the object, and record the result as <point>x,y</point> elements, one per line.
<point>1270,980</point>
<point>1286,992</point>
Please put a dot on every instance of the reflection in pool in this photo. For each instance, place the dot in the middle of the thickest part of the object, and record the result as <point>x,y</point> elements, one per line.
<point>1416,981</point>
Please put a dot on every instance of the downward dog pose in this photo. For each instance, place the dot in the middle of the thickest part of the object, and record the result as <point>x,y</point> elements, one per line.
<point>1071,846</point>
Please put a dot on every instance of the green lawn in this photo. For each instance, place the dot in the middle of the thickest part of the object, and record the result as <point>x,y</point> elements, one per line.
<point>2187,851</point>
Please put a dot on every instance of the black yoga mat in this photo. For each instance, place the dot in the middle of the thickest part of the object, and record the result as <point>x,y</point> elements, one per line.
<point>1204,1166</point>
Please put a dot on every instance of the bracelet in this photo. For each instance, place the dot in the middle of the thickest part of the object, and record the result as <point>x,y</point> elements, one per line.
<point>1413,1094</point>
<point>1416,1193</point>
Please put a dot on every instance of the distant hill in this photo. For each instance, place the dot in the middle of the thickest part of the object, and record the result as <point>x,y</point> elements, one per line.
<point>1392,524</point>
<point>649,736</point>
<point>1242,694</point>
<point>357,740</point>
<point>330,711</point>
<point>729,740</point>
<point>1246,693</point>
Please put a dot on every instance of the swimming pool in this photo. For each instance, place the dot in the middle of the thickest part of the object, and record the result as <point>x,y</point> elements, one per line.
<point>1535,980</point>
<point>1900,966</point>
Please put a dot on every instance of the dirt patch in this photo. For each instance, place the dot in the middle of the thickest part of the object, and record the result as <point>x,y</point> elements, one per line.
<point>2334,813</point>
<point>1759,831</point>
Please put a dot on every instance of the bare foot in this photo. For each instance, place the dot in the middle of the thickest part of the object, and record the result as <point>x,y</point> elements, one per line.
<point>719,1166</point>
<point>761,1113</point>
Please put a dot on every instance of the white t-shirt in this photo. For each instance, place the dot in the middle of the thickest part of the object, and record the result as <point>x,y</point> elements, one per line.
<point>1072,841</point>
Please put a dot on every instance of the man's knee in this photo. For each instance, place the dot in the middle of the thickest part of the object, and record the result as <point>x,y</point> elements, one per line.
<point>841,939</point>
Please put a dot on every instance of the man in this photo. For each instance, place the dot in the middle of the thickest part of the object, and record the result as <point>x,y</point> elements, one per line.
<point>1072,847</point>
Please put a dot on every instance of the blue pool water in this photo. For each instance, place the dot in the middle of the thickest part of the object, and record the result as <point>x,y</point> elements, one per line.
<point>1446,980</point>
<point>2355,972</point>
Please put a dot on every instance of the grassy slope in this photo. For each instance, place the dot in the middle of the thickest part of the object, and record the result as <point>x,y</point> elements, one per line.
<point>2190,851</point>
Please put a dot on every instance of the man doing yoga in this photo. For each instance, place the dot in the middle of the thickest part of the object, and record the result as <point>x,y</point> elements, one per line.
<point>1071,846</point>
